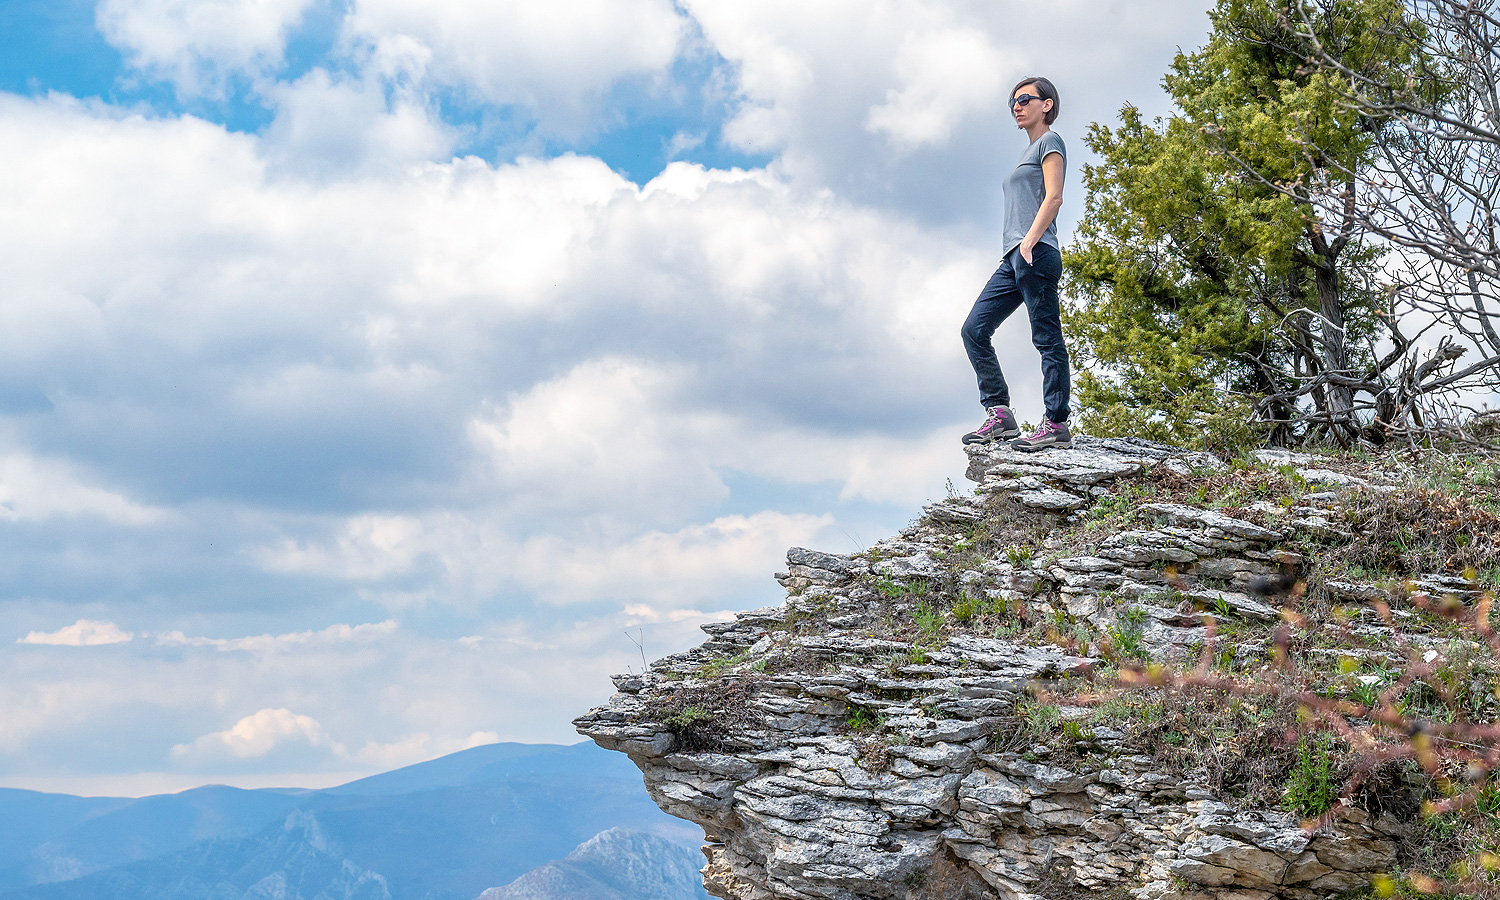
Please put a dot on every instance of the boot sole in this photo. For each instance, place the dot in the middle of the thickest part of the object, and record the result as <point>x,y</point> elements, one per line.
<point>1002,436</point>
<point>1060,445</point>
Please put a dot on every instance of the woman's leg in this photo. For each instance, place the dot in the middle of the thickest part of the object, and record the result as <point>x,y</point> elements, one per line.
<point>1038,287</point>
<point>997,301</point>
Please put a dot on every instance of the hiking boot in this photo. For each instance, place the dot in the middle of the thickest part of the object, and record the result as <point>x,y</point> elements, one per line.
<point>1050,434</point>
<point>999,425</point>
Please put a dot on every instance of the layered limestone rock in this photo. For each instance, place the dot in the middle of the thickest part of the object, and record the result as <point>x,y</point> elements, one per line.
<point>859,743</point>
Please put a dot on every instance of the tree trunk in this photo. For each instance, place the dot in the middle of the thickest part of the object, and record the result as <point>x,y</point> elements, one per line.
<point>1339,399</point>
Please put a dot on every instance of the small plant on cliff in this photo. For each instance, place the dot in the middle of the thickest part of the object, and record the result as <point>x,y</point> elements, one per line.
<point>705,715</point>
<point>893,588</point>
<point>1077,733</point>
<point>862,719</point>
<point>717,667</point>
<point>1462,846</point>
<point>1312,785</point>
<point>1040,718</point>
<point>1117,505</point>
<point>966,608</point>
<point>1366,693</point>
<point>928,620</point>
<point>688,718</point>
<point>1009,631</point>
<point>1127,632</point>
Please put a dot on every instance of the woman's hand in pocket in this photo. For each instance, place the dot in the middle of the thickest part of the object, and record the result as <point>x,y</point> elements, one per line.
<point>1027,247</point>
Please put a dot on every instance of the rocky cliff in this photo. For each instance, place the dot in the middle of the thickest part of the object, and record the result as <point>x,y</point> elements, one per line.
<point>935,717</point>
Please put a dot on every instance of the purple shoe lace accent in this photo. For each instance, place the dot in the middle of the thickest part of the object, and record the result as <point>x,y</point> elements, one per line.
<point>990,424</point>
<point>1047,429</point>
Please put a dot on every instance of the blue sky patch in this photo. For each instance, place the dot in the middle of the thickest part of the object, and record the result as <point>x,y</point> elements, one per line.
<point>641,126</point>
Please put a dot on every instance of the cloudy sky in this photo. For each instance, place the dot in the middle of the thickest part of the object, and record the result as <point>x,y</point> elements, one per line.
<point>371,367</point>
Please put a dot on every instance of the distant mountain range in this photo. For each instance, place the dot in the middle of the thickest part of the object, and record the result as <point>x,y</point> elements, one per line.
<point>448,829</point>
<point>618,864</point>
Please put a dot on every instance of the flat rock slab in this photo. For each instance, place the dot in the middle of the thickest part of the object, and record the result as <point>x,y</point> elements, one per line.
<point>1239,605</point>
<point>1088,564</point>
<point>959,511</point>
<point>1328,476</point>
<point>1016,659</point>
<point>1091,461</point>
<point>1212,521</point>
<point>814,559</point>
<point>1049,499</point>
<point>921,565</point>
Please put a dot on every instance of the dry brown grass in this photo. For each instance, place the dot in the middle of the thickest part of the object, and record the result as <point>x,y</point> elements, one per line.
<point>1417,530</point>
<point>704,716</point>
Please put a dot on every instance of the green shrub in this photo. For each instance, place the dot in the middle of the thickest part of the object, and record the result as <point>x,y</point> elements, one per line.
<point>1041,717</point>
<point>1311,785</point>
<point>1076,733</point>
<point>1127,632</point>
<point>893,588</point>
<point>1365,694</point>
<point>1008,631</point>
<point>862,719</point>
<point>929,620</point>
<point>689,717</point>
<point>715,668</point>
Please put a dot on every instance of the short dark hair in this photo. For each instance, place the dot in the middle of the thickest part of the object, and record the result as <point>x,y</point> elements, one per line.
<point>1044,89</point>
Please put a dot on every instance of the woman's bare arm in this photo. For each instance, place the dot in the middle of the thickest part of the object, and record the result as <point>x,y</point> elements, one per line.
<point>1053,168</point>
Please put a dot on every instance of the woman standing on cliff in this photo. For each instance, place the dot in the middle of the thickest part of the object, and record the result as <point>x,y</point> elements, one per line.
<point>1029,269</point>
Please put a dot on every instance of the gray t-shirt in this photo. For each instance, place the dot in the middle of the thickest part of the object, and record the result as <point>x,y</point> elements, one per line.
<point>1025,191</point>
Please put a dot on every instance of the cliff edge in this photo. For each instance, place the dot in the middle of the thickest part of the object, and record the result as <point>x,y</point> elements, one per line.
<point>939,717</point>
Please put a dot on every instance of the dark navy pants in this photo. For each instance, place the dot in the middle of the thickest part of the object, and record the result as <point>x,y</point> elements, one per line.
<point>1014,283</point>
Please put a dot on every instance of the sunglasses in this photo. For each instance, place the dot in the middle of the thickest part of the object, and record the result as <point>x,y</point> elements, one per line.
<point>1022,100</point>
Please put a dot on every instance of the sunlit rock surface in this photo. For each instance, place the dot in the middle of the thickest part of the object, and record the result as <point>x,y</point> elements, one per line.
<point>828,755</point>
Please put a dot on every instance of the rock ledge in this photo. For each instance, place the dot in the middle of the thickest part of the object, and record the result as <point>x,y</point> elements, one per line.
<point>828,754</point>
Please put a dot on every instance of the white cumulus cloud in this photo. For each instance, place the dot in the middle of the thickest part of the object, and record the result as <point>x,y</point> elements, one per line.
<point>556,58</point>
<point>945,75</point>
<point>271,731</point>
<point>83,633</point>
<point>269,643</point>
<point>367,547</point>
<point>691,565</point>
<point>901,102</point>
<point>33,488</point>
<point>257,735</point>
<point>196,42</point>
<point>328,125</point>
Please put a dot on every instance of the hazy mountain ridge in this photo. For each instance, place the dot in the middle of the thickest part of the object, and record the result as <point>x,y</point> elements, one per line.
<point>31,818</point>
<point>618,864</point>
<point>443,830</point>
<point>144,828</point>
<point>292,861</point>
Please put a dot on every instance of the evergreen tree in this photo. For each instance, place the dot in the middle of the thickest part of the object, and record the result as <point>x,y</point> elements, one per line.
<point>1208,305</point>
